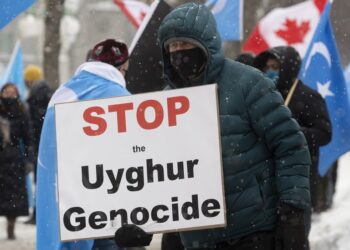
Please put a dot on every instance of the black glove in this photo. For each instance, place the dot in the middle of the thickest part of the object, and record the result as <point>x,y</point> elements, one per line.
<point>290,231</point>
<point>132,236</point>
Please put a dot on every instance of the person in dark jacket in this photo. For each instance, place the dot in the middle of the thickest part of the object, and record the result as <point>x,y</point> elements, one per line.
<point>308,108</point>
<point>172,241</point>
<point>265,155</point>
<point>38,99</point>
<point>14,157</point>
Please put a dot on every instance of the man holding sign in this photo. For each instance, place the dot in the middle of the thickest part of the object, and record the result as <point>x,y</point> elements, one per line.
<point>265,155</point>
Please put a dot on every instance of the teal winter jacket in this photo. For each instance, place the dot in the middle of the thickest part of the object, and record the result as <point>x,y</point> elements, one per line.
<point>265,155</point>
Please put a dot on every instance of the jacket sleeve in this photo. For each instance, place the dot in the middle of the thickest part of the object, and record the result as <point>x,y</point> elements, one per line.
<point>273,123</point>
<point>316,123</point>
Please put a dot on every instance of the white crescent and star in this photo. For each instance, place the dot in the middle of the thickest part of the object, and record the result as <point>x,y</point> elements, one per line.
<point>321,48</point>
<point>323,89</point>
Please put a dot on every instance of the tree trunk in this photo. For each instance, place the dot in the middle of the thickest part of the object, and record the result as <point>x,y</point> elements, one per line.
<point>52,45</point>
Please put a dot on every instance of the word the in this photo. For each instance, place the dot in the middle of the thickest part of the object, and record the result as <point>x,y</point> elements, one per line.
<point>137,149</point>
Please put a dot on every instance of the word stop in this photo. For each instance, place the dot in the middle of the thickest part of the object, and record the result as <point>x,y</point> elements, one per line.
<point>94,115</point>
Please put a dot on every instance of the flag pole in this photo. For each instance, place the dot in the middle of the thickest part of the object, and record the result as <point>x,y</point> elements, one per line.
<point>291,92</point>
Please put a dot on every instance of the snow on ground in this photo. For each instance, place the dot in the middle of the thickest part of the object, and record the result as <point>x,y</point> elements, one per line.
<point>25,236</point>
<point>330,230</point>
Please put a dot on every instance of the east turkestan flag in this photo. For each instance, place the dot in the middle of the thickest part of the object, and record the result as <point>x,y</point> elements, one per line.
<point>322,70</point>
<point>292,26</point>
<point>14,70</point>
<point>228,15</point>
<point>10,9</point>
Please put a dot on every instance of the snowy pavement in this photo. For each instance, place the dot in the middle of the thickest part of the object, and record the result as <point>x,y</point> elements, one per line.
<point>25,236</point>
<point>330,230</point>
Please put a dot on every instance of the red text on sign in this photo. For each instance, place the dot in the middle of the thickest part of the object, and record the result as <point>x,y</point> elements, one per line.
<point>176,106</point>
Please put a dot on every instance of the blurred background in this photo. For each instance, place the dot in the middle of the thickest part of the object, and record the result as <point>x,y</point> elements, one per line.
<point>86,22</point>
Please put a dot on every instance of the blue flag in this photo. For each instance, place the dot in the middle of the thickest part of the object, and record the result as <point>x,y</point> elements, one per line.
<point>93,80</point>
<point>228,16</point>
<point>347,79</point>
<point>9,9</point>
<point>14,70</point>
<point>321,70</point>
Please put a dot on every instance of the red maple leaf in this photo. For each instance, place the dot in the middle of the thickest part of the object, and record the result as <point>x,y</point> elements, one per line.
<point>293,33</point>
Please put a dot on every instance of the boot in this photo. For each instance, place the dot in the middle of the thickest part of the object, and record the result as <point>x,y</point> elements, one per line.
<point>31,220</point>
<point>11,228</point>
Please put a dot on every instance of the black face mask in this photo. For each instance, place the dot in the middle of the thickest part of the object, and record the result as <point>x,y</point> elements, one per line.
<point>9,101</point>
<point>190,63</point>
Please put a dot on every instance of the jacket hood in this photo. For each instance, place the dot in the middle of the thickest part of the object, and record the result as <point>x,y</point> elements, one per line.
<point>195,23</point>
<point>290,63</point>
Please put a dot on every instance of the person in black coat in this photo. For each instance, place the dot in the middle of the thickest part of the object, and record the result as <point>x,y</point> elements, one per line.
<point>282,64</point>
<point>38,100</point>
<point>14,157</point>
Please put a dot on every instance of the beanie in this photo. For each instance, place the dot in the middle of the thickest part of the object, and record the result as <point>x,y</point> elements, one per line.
<point>33,73</point>
<point>110,51</point>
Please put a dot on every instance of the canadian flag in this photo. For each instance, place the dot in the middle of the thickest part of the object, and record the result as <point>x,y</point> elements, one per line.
<point>291,26</point>
<point>135,11</point>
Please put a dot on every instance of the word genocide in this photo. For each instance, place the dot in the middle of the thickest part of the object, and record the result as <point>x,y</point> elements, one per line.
<point>75,218</point>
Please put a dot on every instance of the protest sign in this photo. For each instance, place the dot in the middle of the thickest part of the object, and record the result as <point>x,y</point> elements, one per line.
<point>153,160</point>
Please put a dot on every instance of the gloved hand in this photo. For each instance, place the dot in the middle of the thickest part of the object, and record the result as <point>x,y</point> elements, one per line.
<point>132,236</point>
<point>290,231</point>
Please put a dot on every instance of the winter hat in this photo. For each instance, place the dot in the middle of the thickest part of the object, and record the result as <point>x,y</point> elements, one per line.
<point>33,73</point>
<point>110,51</point>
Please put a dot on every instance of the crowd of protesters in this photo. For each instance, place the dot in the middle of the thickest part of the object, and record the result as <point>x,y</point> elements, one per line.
<point>299,114</point>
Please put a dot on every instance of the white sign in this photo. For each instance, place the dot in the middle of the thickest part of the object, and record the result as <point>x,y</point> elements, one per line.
<point>153,160</point>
